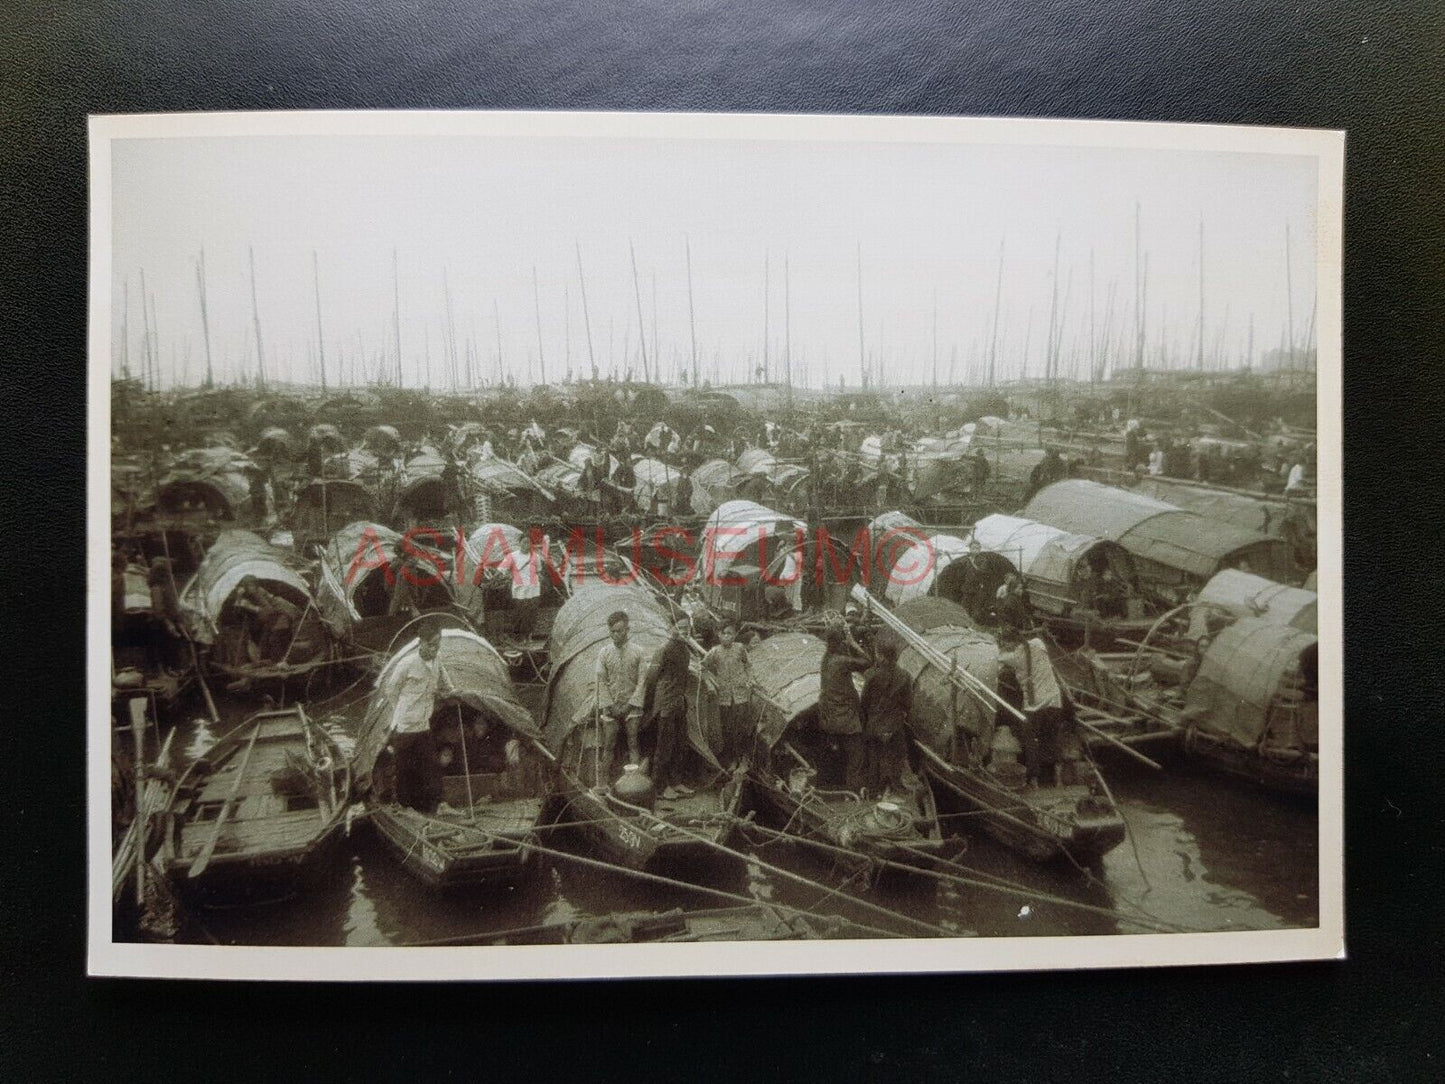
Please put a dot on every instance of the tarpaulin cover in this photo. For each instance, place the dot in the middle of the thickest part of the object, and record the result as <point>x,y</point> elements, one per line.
<point>712,485</point>
<point>475,671</point>
<point>218,474</point>
<point>335,594</point>
<point>234,556</point>
<point>745,523</point>
<point>786,669</point>
<point>918,565</point>
<point>1251,513</point>
<point>654,477</point>
<point>1246,595</point>
<point>1150,529</point>
<point>1037,550</point>
<point>564,477</point>
<point>324,505</point>
<point>579,633</point>
<point>494,475</point>
<point>760,463</point>
<point>939,707</point>
<point>1239,676</point>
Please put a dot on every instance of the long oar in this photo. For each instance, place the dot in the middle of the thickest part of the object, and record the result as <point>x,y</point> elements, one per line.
<point>203,860</point>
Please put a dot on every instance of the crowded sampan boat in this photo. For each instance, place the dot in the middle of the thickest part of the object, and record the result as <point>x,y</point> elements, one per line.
<point>1044,797</point>
<point>647,632</point>
<point>449,763</point>
<point>814,766</point>
<point>629,716</point>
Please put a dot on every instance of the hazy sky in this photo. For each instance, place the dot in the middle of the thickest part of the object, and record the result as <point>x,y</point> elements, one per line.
<point>485,211</point>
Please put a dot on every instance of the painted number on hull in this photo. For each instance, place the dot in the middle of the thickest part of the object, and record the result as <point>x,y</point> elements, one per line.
<point>629,837</point>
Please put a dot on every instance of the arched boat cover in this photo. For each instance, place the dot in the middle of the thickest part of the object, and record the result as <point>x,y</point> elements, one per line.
<point>712,485</point>
<point>939,707</point>
<point>1036,549</point>
<point>497,476</point>
<point>786,668</point>
<point>918,565</point>
<point>275,441</point>
<point>327,503</point>
<point>1247,595</point>
<point>382,438</point>
<point>326,435</point>
<point>336,588</point>
<point>1152,530</point>
<point>477,674</point>
<point>579,633</point>
<point>217,473</point>
<point>564,477</point>
<point>760,463</point>
<point>737,525</point>
<point>1240,675</point>
<point>1252,513</point>
<point>654,477</point>
<point>234,556</point>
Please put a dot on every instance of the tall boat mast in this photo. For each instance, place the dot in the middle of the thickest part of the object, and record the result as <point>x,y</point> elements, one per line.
<point>256,318</point>
<point>691,313</point>
<point>537,310</point>
<point>862,353</point>
<point>205,316</point>
<point>641,331</point>
<point>320,337</point>
<point>997,302</point>
<point>396,312</point>
<point>586,316</point>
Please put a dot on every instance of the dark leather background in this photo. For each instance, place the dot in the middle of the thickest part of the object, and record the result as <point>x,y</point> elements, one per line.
<point>1373,68</point>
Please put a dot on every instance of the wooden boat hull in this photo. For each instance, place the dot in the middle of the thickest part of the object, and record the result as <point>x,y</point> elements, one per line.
<point>702,824</point>
<point>232,829</point>
<point>1044,825</point>
<point>445,855</point>
<point>840,821</point>
<point>1297,776</point>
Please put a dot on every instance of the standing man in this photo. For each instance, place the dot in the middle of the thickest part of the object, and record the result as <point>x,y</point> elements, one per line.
<point>838,707</point>
<point>981,471</point>
<point>420,680</point>
<point>886,704</point>
<point>667,675</point>
<point>1043,706</point>
<point>731,670</point>
<point>620,689</point>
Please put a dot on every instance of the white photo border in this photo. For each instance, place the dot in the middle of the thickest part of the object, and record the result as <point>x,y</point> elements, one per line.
<point>106,957</point>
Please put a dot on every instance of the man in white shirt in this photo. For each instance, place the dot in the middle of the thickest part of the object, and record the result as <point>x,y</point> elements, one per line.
<point>621,685</point>
<point>419,680</point>
<point>522,565</point>
<point>1043,706</point>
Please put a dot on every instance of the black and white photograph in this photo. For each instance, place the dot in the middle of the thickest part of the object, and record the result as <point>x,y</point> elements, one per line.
<point>548,545</point>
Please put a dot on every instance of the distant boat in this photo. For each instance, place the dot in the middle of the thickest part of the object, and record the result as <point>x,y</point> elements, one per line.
<point>259,809</point>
